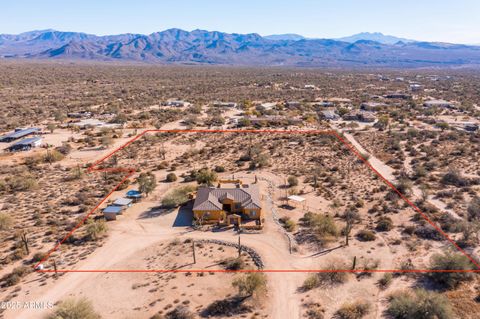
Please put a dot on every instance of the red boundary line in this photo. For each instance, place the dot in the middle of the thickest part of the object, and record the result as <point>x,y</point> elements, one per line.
<point>130,172</point>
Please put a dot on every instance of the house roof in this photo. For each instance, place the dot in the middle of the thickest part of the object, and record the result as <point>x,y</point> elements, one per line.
<point>112,209</point>
<point>133,193</point>
<point>211,198</point>
<point>20,133</point>
<point>27,141</point>
<point>122,201</point>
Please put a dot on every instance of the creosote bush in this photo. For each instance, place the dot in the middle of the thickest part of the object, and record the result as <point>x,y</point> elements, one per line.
<point>419,304</point>
<point>74,309</point>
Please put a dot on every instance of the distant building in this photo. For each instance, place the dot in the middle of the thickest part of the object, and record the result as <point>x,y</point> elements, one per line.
<point>323,104</point>
<point>272,120</point>
<point>372,106</point>
<point>83,124</point>
<point>224,104</point>
<point>415,87</point>
<point>19,133</point>
<point>176,103</point>
<point>329,115</point>
<point>438,103</point>
<point>25,144</point>
<point>360,116</point>
<point>398,95</point>
<point>293,104</point>
<point>111,212</point>
<point>78,115</point>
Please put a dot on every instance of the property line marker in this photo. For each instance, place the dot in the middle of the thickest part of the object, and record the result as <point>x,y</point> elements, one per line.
<point>130,171</point>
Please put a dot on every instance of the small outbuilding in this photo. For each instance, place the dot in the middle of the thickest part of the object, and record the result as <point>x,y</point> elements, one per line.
<point>111,212</point>
<point>123,202</point>
<point>25,144</point>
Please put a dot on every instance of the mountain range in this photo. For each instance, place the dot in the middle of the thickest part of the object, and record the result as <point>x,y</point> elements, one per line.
<point>176,46</point>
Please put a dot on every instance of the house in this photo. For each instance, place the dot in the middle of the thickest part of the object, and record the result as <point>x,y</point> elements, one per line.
<point>78,115</point>
<point>224,104</point>
<point>329,114</point>
<point>111,212</point>
<point>360,116</point>
<point>19,133</point>
<point>272,120</point>
<point>415,87</point>
<point>228,205</point>
<point>86,123</point>
<point>398,95</point>
<point>176,103</point>
<point>438,103</point>
<point>372,106</point>
<point>293,104</point>
<point>25,144</point>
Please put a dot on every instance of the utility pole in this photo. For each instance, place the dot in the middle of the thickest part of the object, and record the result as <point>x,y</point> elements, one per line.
<point>55,268</point>
<point>239,247</point>
<point>354,262</point>
<point>193,251</point>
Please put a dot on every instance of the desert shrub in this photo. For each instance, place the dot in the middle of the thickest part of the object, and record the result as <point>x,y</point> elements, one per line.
<point>322,226</point>
<point>226,308</point>
<point>290,225</point>
<point>355,310</point>
<point>314,311</point>
<point>292,181</point>
<point>38,257</point>
<point>450,261</point>
<point>52,156</point>
<point>171,177</point>
<point>419,304</point>
<point>251,284</point>
<point>74,309</point>
<point>311,282</point>
<point>384,223</point>
<point>428,232</point>
<point>233,263</point>
<point>219,169</point>
<point>332,276</point>
<point>6,221</point>
<point>95,229</point>
<point>15,276</point>
<point>454,177</point>
<point>180,312</point>
<point>22,182</point>
<point>366,235</point>
<point>473,209</point>
<point>385,281</point>
<point>205,177</point>
<point>177,197</point>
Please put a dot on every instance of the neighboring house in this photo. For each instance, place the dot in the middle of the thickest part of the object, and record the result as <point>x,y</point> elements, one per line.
<point>330,115</point>
<point>228,205</point>
<point>360,116</point>
<point>398,95</point>
<point>372,106</point>
<point>19,133</point>
<point>78,115</point>
<point>111,212</point>
<point>224,104</point>
<point>86,123</point>
<point>176,103</point>
<point>293,104</point>
<point>438,103</point>
<point>25,144</point>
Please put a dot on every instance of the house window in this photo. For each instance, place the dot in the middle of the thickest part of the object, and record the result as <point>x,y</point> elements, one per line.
<point>237,206</point>
<point>253,213</point>
<point>206,214</point>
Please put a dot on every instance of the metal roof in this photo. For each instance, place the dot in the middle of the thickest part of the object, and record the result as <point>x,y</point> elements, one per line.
<point>27,141</point>
<point>112,209</point>
<point>20,133</point>
<point>211,198</point>
<point>122,201</point>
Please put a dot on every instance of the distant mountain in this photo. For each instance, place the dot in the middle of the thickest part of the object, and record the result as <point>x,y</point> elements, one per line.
<point>375,36</point>
<point>285,37</point>
<point>176,46</point>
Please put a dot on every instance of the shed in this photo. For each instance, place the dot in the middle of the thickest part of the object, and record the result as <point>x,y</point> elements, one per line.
<point>297,199</point>
<point>123,202</point>
<point>111,212</point>
<point>25,144</point>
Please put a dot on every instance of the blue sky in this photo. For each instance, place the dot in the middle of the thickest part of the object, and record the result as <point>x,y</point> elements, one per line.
<point>429,20</point>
